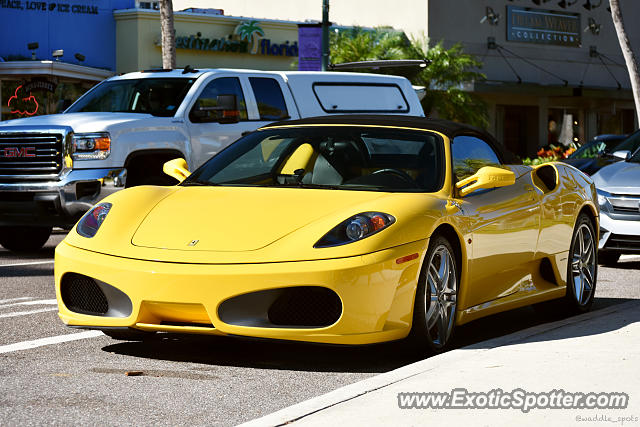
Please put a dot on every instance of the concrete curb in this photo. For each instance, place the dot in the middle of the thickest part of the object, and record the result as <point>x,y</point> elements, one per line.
<point>352,391</point>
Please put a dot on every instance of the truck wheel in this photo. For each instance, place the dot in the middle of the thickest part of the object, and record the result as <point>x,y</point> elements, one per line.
<point>24,239</point>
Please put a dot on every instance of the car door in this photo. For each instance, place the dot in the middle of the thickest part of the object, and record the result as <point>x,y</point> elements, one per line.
<point>209,138</point>
<point>504,223</point>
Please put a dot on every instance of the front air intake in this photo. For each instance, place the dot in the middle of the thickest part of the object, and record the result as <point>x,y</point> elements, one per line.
<point>307,306</point>
<point>81,294</point>
<point>304,307</point>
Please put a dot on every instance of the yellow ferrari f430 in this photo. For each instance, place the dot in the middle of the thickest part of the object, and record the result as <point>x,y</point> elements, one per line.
<point>342,229</point>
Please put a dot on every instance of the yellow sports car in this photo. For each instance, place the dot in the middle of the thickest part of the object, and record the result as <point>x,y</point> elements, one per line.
<point>342,229</point>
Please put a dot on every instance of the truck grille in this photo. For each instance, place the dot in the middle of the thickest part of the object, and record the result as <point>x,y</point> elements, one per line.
<point>30,155</point>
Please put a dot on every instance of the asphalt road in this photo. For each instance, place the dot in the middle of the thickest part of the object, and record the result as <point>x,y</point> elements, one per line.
<point>188,380</point>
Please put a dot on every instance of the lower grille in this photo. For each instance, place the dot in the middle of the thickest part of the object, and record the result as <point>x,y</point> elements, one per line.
<point>309,306</point>
<point>622,242</point>
<point>81,294</point>
<point>625,204</point>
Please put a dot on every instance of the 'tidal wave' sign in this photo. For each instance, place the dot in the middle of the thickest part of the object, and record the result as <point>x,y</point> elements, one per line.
<point>541,26</point>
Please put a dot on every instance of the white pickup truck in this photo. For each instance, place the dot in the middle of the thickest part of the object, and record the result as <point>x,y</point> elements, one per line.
<point>53,168</point>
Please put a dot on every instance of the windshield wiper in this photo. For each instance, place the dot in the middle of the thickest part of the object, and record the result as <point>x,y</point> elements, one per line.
<point>196,182</point>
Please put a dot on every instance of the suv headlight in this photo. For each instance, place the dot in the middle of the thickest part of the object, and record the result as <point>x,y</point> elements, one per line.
<point>91,146</point>
<point>356,228</point>
<point>603,200</point>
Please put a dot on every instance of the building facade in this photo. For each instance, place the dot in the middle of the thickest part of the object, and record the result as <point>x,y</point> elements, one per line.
<point>555,71</point>
<point>53,51</point>
<point>205,40</point>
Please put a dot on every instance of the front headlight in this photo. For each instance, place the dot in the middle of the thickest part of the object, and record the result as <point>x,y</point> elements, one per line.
<point>356,228</point>
<point>91,146</point>
<point>91,221</point>
<point>603,199</point>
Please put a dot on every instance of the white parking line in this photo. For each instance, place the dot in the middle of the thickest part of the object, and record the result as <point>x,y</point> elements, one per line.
<point>2,301</point>
<point>36,302</point>
<point>27,263</point>
<point>24,313</point>
<point>26,345</point>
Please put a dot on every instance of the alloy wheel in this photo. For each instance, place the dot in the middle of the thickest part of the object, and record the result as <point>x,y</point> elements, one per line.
<point>583,265</point>
<point>440,303</point>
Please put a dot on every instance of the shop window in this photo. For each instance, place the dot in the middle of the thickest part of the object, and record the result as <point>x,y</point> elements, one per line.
<point>223,86</point>
<point>39,95</point>
<point>470,154</point>
<point>271,104</point>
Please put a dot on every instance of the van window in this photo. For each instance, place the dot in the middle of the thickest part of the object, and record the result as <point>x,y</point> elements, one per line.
<point>222,86</point>
<point>271,105</point>
<point>361,98</point>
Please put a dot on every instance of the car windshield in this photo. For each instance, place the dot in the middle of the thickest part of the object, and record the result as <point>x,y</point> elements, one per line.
<point>159,97</point>
<point>346,157</point>
<point>631,144</point>
<point>594,148</point>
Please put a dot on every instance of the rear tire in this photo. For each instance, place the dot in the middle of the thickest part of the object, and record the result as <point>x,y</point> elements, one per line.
<point>128,334</point>
<point>434,313</point>
<point>24,239</point>
<point>582,271</point>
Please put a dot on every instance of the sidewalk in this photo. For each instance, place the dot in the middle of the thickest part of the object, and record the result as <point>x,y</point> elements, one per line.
<point>595,352</point>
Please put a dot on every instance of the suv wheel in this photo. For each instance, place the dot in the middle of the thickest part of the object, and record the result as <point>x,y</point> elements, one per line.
<point>24,239</point>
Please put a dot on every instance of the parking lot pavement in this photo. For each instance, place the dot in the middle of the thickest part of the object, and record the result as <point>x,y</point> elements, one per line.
<point>189,379</point>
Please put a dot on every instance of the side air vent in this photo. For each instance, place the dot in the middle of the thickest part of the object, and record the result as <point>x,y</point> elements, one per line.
<point>81,294</point>
<point>85,295</point>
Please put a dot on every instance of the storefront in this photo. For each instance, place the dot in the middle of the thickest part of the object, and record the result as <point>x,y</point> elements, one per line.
<point>205,40</point>
<point>29,88</point>
<point>555,71</point>
<point>51,52</point>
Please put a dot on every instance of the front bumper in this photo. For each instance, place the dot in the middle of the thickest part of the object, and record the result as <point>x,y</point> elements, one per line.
<point>619,232</point>
<point>57,203</point>
<point>376,293</point>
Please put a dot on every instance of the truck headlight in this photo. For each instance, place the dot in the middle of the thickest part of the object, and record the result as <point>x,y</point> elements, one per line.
<point>91,146</point>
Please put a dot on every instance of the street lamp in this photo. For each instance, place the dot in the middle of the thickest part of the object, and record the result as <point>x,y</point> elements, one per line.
<point>32,47</point>
<point>57,54</point>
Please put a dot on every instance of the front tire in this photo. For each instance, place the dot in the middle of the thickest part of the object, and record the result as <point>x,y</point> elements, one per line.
<point>434,313</point>
<point>24,239</point>
<point>582,271</point>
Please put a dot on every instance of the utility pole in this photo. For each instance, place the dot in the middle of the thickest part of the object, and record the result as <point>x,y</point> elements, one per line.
<point>325,35</point>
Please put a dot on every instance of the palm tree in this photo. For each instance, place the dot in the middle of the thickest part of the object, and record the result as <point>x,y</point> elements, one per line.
<point>249,30</point>
<point>629,57</point>
<point>168,34</point>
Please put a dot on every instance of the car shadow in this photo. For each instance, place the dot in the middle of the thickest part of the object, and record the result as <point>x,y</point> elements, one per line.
<point>627,265</point>
<point>285,355</point>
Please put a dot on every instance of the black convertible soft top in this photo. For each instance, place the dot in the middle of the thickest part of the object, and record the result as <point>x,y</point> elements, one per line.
<point>446,127</point>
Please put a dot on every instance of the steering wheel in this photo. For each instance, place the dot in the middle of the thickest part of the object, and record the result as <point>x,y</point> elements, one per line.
<point>402,174</point>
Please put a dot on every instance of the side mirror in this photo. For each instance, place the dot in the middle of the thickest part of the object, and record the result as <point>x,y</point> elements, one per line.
<point>486,177</point>
<point>225,111</point>
<point>622,154</point>
<point>177,168</point>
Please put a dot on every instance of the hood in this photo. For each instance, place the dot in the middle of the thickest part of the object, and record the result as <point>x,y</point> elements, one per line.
<point>233,219</point>
<point>619,178</point>
<point>80,122</point>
